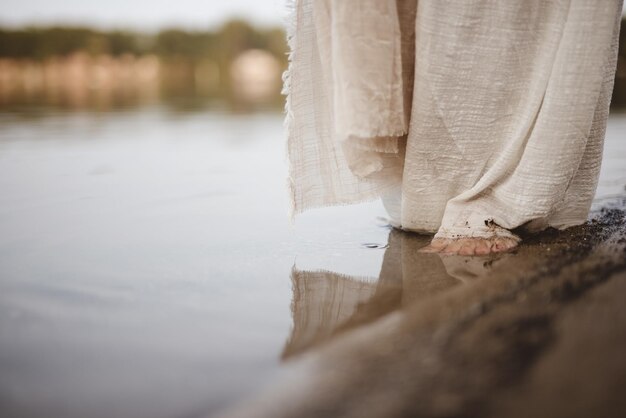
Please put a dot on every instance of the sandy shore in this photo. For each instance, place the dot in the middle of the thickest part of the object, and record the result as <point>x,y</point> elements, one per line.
<point>536,333</point>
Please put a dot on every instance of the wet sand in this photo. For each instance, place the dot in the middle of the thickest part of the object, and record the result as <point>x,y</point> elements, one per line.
<point>538,332</point>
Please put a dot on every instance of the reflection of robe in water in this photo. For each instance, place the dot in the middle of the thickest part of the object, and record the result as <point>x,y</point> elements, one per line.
<point>464,116</point>
<point>326,304</point>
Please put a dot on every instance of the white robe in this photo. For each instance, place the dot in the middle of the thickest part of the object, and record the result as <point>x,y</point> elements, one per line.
<point>469,118</point>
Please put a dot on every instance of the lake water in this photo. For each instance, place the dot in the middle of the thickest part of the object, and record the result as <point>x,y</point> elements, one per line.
<point>146,258</point>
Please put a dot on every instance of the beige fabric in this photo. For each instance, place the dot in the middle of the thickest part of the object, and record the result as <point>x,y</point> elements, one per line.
<point>466,117</point>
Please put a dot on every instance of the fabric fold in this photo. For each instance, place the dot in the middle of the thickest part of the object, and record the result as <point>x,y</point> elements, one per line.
<point>467,118</point>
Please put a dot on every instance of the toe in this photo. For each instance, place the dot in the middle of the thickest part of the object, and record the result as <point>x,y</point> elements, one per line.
<point>467,247</point>
<point>502,244</point>
<point>483,247</point>
<point>437,245</point>
<point>453,247</point>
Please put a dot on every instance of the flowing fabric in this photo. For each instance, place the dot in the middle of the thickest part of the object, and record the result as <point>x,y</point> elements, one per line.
<point>469,118</point>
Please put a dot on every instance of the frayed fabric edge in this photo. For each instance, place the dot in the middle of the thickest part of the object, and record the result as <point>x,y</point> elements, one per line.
<point>294,9</point>
<point>291,19</point>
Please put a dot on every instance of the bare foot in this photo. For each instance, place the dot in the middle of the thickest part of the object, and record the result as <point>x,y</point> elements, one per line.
<point>470,246</point>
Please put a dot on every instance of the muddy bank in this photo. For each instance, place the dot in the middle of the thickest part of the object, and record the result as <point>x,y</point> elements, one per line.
<point>537,332</point>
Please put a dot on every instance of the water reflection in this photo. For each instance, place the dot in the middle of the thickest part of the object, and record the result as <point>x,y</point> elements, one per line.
<point>326,304</point>
<point>235,66</point>
<point>105,82</point>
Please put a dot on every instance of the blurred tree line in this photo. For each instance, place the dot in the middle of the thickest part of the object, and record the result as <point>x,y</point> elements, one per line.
<point>191,64</point>
<point>223,43</point>
<point>185,50</point>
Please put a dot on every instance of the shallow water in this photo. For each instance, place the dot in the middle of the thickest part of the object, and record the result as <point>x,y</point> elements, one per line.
<point>148,266</point>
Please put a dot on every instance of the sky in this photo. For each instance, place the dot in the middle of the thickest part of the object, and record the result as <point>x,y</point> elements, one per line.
<point>140,14</point>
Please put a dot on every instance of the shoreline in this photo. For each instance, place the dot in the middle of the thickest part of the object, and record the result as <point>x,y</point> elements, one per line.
<point>524,330</point>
